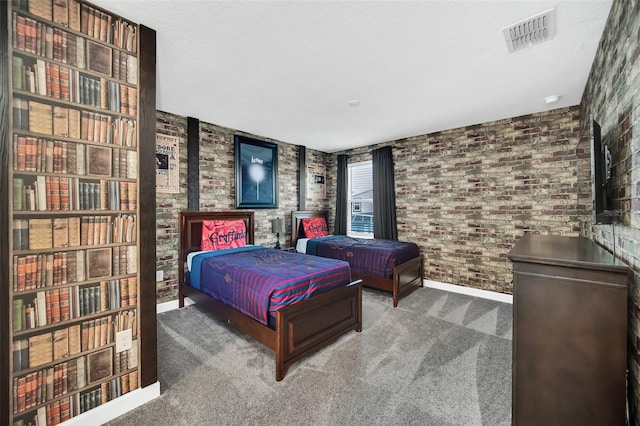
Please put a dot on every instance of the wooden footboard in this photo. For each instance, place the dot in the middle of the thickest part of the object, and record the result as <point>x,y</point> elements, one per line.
<point>301,329</point>
<point>304,328</point>
<point>406,278</point>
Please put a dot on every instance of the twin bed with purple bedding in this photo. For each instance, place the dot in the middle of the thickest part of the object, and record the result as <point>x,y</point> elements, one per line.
<point>259,281</point>
<point>393,266</point>
<point>365,256</point>
<point>292,303</point>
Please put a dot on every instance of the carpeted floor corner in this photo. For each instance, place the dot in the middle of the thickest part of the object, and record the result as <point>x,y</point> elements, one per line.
<point>438,359</point>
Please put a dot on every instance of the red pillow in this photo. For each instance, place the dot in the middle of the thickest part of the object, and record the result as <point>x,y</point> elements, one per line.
<point>223,234</point>
<point>314,227</point>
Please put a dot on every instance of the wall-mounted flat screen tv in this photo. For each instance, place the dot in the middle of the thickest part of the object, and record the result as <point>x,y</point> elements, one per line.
<point>600,177</point>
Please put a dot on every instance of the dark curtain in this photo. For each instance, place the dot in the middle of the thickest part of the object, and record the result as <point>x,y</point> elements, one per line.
<point>341,197</point>
<point>384,195</point>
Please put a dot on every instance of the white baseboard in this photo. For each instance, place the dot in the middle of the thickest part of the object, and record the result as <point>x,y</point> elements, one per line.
<point>469,291</point>
<point>119,406</point>
<point>476,292</point>
<point>172,304</point>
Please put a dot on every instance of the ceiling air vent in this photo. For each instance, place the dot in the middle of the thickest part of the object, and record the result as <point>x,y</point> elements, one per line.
<point>530,31</point>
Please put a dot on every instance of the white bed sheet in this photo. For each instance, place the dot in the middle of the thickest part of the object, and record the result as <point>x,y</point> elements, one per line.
<point>301,245</point>
<point>191,255</point>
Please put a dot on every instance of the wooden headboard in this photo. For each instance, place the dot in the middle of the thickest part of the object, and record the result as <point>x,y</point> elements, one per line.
<point>191,230</point>
<point>296,217</point>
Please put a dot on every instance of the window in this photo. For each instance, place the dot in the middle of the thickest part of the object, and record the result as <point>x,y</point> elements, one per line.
<point>360,199</point>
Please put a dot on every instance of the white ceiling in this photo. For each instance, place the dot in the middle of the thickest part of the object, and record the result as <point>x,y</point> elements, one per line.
<point>287,69</point>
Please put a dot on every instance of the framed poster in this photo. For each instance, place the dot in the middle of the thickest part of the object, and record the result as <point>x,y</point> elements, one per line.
<point>167,164</point>
<point>256,173</point>
<point>316,181</point>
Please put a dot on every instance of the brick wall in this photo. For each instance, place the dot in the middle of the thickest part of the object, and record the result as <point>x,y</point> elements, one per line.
<point>612,95</point>
<point>217,191</point>
<point>168,206</point>
<point>466,195</point>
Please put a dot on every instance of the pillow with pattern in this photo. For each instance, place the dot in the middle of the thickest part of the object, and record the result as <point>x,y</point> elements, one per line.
<point>314,227</point>
<point>223,234</point>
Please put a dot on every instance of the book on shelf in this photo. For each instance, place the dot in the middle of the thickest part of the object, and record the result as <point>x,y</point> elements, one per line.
<point>40,349</point>
<point>60,343</point>
<point>60,232</point>
<point>40,117</point>
<point>43,9</point>
<point>99,160</point>
<point>99,58</point>
<point>99,365</point>
<point>20,108</point>
<point>19,317</point>
<point>98,262</point>
<point>61,12</point>
<point>20,352</point>
<point>20,234</point>
<point>60,121</point>
<point>40,234</point>
<point>45,385</point>
<point>54,306</point>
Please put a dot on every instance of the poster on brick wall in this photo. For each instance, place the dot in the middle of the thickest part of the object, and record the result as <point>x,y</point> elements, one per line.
<point>316,177</point>
<point>167,164</point>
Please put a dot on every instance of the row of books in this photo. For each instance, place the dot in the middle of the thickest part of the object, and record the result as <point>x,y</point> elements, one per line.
<point>119,32</point>
<point>104,128</point>
<point>44,348</point>
<point>40,39</point>
<point>61,121</point>
<point>85,125</point>
<point>108,295</point>
<point>39,350</point>
<point>35,271</point>
<point>34,234</point>
<point>42,386</point>
<point>62,12</point>
<point>54,193</point>
<point>125,67</point>
<point>59,82</point>
<point>49,307</point>
<point>56,305</point>
<point>38,271</point>
<point>124,260</point>
<point>84,18</point>
<point>49,415</point>
<point>47,41</point>
<point>48,155</point>
<point>54,156</point>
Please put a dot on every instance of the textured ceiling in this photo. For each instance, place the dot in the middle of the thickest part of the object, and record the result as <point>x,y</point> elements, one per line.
<point>288,69</point>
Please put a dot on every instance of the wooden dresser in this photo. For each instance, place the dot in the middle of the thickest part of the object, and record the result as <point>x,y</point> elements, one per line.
<point>569,332</point>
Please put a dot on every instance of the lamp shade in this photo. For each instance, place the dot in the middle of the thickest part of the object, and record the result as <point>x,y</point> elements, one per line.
<point>277,225</point>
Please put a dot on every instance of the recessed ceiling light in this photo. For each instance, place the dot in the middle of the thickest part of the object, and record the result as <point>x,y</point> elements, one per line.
<point>551,99</point>
<point>354,102</point>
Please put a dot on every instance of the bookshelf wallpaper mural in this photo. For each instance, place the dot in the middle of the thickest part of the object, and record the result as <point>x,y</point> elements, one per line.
<point>74,209</point>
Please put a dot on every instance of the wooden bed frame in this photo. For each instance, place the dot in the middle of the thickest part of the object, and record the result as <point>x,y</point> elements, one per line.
<point>300,329</point>
<point>407,277</point>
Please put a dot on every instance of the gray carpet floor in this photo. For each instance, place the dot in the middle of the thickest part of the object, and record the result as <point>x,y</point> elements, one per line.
<point>438,359</point>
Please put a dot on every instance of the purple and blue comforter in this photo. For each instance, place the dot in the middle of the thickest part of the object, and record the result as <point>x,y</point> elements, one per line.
<point>375,257</point>
<point>258,281</point>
